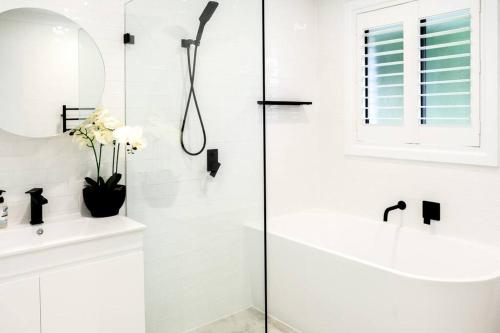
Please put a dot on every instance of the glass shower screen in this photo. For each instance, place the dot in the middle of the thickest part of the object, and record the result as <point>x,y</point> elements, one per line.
<point>198,64</point>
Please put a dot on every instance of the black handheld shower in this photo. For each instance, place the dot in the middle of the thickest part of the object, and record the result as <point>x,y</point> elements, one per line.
<point>186,43</point>
<point>205,17</point>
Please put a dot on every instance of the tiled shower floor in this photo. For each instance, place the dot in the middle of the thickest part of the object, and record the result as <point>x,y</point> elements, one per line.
<point>248,321</point>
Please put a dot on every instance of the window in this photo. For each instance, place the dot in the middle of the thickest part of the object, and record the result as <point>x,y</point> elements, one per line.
<point>418,77</point>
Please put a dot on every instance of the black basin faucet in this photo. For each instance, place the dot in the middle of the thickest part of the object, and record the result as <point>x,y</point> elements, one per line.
<point>401,205</point>
<point>37,202</point>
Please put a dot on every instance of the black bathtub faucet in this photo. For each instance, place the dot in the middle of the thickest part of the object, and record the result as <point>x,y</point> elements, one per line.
<point>37,202</point>
<point>431,211</point>
<point>401,205</point>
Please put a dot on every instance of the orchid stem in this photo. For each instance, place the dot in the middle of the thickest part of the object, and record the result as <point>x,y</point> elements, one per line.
<point>93,149</point>
<point>117,155</point>
<point>99,164</point>
<point>113,165</point>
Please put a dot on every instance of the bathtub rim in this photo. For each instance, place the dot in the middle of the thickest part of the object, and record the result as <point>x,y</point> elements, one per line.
<point>480,279</point>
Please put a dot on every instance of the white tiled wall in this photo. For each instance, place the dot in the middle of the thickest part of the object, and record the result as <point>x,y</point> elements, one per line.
<point>292,69</point>
<point>196,269</point>
<point>55,163</point>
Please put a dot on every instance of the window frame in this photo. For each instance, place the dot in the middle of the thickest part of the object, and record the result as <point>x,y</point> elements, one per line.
<point>452,147</point>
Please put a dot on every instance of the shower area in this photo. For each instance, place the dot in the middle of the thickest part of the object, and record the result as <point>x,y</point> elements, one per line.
<point>194,74</point>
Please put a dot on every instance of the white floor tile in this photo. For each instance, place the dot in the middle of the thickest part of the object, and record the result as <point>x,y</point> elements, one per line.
<point>248,321</point>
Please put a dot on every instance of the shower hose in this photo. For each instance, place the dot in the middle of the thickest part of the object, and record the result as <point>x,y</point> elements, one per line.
<point>192,95</point>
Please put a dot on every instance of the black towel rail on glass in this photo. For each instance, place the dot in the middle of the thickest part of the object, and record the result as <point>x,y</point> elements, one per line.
<point>65,118</point>
<point>283,103</point>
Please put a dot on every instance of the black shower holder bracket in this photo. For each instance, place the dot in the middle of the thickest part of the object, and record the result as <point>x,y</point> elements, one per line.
<point>186,43</point>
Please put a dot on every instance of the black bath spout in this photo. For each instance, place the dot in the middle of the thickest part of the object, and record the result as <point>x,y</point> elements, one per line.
<point>401,205</point>
<point>37,202</point>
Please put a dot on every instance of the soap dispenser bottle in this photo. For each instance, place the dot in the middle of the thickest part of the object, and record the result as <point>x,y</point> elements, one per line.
<point>4,211</point>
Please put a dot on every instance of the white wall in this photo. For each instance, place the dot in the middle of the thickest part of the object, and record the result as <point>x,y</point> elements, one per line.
<point>56,164</point>
<point>469,195</point>
<point>293,67</point>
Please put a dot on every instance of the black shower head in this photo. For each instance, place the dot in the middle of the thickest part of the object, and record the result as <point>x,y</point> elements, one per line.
<point>205,17</point>
<point>208,12</point>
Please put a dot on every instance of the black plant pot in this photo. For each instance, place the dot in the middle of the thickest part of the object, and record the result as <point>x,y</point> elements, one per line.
<point>104,202</point>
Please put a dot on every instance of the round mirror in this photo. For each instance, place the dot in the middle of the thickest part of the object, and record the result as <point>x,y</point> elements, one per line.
<point>47,63</point>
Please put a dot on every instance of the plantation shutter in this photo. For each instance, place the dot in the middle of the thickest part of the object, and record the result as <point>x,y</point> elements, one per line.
<point>449,61</point>
<point>384,75</point>
<point>445,57</point>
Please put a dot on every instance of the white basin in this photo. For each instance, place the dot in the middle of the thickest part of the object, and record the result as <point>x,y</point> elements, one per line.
<point>65,240</point>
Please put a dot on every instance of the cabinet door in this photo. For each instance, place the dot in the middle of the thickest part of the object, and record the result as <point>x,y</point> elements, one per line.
<point>100,297</point>
<point>20,306</point>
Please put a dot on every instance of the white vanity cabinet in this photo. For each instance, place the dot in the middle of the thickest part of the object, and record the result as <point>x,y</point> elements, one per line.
<point>105,296</point>
<point>85,276</point>
<point>20,306</point>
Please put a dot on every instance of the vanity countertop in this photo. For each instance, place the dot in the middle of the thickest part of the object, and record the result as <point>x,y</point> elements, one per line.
<point>63,232</point>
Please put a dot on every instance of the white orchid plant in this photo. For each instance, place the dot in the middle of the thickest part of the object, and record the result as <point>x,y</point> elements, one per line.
<point>100,130</point>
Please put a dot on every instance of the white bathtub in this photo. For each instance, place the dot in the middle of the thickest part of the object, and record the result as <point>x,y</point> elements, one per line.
<point>332,273</point>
